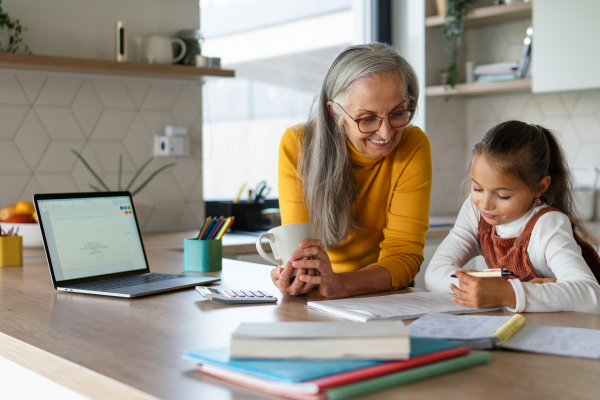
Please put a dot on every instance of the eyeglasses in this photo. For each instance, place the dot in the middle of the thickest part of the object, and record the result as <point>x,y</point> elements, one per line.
<point>372,124</point>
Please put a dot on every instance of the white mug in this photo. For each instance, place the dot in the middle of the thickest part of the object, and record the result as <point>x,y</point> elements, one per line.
<point>284,241</point>
<point>158,49</point>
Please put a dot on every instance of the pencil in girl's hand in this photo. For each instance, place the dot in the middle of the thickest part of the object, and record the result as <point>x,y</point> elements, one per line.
<point>215,231</point>
<point>225,227</point>
<point>204,227</point>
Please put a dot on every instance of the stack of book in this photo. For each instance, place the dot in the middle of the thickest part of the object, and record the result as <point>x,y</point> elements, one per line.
<point>496,72</point>
<point>291,359</point>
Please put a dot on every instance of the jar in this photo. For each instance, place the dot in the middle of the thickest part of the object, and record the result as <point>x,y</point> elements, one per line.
<point>192,39</point>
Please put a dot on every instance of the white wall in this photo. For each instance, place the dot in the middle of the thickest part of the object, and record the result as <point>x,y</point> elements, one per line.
<point>86,28</point>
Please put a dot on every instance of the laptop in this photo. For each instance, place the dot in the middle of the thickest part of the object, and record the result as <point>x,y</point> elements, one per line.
<point>93,245</point>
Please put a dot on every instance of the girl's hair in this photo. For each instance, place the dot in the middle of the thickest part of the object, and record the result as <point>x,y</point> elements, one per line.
<point>325,168</point>
<point>530,152</point>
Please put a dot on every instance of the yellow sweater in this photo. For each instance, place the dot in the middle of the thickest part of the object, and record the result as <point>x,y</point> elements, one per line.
<point>392,206</point>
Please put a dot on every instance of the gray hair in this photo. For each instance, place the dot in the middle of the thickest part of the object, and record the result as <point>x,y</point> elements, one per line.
<point>325,168</point>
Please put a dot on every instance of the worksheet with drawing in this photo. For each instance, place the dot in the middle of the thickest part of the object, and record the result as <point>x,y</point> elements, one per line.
<point>93,237</point>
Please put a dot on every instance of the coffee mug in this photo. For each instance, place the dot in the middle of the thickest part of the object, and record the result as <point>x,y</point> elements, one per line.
<point>158,49</point>
<point>284,241</point>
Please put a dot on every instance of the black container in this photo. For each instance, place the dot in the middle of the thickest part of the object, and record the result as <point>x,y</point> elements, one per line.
<point>192,39</point>
<point>248,216</point>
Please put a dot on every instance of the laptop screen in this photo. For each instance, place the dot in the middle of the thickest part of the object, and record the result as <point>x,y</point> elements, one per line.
<point>90,236</point>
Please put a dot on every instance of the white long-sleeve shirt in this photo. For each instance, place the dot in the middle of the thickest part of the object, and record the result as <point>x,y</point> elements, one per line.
<point>553,253</point>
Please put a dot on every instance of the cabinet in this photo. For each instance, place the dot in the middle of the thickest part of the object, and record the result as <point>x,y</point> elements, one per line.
<point>565,47</point>
<point>485,16</point>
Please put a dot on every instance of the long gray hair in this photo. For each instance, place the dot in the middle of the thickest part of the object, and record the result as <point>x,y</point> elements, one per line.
<point>325,168</point>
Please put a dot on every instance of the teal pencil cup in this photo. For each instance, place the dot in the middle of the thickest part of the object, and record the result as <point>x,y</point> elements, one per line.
<point>202,255</point>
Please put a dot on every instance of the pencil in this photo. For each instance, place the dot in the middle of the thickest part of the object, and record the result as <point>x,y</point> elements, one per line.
<point>225,227</point>
<point>237,198</point>
<point>217,229</point>
<point>210,226</point>
<point>204,227</point>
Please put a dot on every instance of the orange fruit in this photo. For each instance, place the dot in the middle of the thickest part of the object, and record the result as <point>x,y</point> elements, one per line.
<point>24,207</point>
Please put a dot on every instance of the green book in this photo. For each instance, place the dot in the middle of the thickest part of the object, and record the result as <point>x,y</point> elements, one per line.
<point>407,376</point>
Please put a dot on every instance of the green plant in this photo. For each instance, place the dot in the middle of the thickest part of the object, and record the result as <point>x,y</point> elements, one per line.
<point>452,32</point>
<point>13,29</point>
<point>137,174</point>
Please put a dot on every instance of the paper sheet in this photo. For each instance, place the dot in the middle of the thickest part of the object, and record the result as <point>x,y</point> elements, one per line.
<point>562,341</point>
<point>453,327</point>
<point>394,306</point>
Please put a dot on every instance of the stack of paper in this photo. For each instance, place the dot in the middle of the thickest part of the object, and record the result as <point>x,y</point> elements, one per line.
<point>378,340</point>
<point>496,72</point>
<point>337,379</point>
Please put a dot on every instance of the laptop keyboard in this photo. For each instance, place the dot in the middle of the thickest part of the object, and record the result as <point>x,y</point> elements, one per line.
<point>104,286</point>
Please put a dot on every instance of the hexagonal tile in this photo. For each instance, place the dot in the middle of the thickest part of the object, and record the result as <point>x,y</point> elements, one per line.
<point>113,124</point>
<point>11,158</point>
<point>589,103</point>
<point>163,186</point>
<point>12,92</point>
<point>138,90</point>
<point>60,123</point>
<point>186,173</point>
<point>114,94</point>
<point>185,109</point>
<point>161,96</point>
<point>58,158</point>
<point>59,91</point>
<point>107,153</point>
<point>12,187</point>
<point>588,127</point>
<point>32,85</point>
<point>139,141</point>
<point>56,183</point>
<point>552,105</point>
<point>32,187</point>
<point>589,154</point>
<point>87,108</point>
<point>157,120</point>
<point>32,139</point>
<point>163,215</point>
<point>12,117</point>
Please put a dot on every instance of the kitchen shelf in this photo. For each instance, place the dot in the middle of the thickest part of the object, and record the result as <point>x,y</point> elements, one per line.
<point>491,15</point>
<point>481,89</point>
<point>108,67</point>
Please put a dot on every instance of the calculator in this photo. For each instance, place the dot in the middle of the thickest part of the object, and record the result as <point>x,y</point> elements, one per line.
<point>236,296</point>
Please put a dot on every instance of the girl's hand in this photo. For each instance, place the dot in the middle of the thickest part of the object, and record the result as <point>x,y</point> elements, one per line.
<point>282,278</point>
<point>312,257</point>
<point>478,292</point>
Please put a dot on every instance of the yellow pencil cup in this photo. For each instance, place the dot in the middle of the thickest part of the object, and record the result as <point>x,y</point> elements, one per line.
<point>202,255</point>
<point>11,251</point>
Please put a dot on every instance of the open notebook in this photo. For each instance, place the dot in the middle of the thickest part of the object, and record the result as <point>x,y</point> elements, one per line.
<point>93,245</point>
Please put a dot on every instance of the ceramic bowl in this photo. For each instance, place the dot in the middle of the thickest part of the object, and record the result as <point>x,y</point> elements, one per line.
<point>32,236</point>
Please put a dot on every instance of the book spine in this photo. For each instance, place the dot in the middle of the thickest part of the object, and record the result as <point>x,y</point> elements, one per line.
<point>407,376</point>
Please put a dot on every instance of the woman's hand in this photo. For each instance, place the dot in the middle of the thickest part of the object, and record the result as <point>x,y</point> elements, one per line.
<point>282,278</point>
<point>312,257</point>
<point>478,292</point>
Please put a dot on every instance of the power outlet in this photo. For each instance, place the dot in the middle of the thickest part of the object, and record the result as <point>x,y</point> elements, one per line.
<point>166,146</point>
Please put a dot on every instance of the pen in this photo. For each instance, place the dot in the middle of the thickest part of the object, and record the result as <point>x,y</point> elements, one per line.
<point>489,273</point>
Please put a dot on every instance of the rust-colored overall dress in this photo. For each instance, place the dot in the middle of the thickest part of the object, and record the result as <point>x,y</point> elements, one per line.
<point>511,253</point>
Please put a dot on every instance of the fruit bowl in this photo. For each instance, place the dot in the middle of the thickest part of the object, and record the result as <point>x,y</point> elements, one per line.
<point>32,235</point>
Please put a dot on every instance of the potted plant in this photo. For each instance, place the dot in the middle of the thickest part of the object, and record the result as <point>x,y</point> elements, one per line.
<point>452,32</point>
<point>10,33</point>
<point>119,187</point>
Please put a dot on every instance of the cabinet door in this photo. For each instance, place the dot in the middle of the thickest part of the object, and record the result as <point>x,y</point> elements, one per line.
<point>565,48</point>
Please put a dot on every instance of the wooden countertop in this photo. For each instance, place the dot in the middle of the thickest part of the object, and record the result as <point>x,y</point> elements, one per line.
<point>111,348</point>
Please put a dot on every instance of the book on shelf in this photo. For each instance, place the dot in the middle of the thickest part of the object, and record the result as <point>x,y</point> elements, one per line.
<point>329,379</point>
<point>496,68</point>
<point>496,78</point>
<point>383,340</point>
<point>393,306</point>
<point>473,331</point>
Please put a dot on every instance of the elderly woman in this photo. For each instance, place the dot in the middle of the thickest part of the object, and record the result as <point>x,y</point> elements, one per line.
<point>362,174</point>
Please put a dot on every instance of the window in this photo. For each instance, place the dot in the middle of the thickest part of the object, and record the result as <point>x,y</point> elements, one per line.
<point>280,51</point>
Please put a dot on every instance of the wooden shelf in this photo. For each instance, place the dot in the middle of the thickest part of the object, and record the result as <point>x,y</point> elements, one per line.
<point>108,67</point>
<point>491,15</point>
<point>481,89</point>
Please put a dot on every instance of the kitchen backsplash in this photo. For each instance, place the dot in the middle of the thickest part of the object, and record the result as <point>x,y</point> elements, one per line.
<point>44,116</point>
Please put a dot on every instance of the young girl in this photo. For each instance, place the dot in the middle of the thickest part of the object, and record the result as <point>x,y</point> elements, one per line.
<point>520,216</point>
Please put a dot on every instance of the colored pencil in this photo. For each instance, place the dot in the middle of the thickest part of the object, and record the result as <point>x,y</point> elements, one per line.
<point>225,227</point>
<point>217,229</point>
<point>204,227</point>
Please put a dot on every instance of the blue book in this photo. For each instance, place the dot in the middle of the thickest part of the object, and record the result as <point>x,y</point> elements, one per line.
<point>303,370</point>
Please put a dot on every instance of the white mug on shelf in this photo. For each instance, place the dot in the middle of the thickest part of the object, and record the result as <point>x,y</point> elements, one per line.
<point>158,49</point>
<point>284,241</point>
